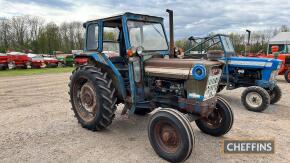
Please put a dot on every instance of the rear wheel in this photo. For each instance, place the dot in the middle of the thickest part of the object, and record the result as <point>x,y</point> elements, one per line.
<point>171,135</point>
<point>275,94</point>
<point>287,76</point>
<point>92,97</point>
<point>219,122</point>
<point>255,99</point>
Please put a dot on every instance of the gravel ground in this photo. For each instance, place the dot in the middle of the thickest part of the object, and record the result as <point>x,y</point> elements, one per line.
<point>37,125</point>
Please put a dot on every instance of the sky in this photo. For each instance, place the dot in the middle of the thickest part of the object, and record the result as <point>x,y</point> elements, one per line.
<point>192,17</point>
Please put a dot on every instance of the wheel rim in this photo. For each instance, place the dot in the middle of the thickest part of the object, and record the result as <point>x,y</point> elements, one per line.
<point>86,101</point>
<point>254,99</point>
<point>215,119</point>
<point>167,137</point>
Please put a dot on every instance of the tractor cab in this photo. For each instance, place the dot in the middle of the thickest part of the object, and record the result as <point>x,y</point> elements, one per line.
<point>120,35</point>
<point>117,40</point>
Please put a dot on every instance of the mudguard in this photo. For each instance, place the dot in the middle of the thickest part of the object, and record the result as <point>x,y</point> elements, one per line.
<point>102,59</point>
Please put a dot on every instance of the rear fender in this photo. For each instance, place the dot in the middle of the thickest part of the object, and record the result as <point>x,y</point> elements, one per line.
<point>100,60</point>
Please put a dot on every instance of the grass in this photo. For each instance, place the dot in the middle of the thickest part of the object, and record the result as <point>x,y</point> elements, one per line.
<point>21,72</point>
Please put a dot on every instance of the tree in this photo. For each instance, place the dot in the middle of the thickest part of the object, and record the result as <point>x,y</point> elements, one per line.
<point>284,28</point>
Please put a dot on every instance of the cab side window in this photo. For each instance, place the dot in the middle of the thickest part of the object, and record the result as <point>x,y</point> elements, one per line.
<point>92,37</point>
<point>111,46</point>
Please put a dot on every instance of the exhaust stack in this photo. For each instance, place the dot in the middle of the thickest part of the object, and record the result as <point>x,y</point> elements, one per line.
<point>171,33</point>
<point>247,47</point>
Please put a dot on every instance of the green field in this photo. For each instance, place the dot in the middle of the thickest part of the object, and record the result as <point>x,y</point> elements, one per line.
<point>19,72</point>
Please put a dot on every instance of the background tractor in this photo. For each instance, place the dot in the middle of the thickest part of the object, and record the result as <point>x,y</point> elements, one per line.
<point>279,48</point>
<point>258,75</point>
<point>129,62</point>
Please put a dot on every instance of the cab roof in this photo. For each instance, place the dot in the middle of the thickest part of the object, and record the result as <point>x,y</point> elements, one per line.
<point>131,16</point>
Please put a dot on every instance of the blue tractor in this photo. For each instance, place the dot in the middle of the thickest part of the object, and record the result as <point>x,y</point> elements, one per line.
<point>130,62</point>
<point>258,75</point>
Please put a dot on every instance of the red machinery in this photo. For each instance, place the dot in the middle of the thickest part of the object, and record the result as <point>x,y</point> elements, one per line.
<point>37,61</point>
<point>285,58</point>
<point>3,61</point>
<point>51,62</point>
<point>18,59</point>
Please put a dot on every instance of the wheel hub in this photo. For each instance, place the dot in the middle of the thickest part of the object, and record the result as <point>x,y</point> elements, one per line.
<point>254,99</point>
<point>167,137</point>
<point>87,97</point>
<point>214,120</point>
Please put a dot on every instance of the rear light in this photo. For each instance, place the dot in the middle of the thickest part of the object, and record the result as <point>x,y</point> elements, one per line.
<point>275,49</point>
<point>129,53</point>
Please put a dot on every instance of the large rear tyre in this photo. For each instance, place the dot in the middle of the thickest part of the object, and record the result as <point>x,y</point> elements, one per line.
<point>255,99</point>
<point>275,94</point>
<point>287,76</point>
<point>219,122</point>
<point>171,135</point>
<point>92,96</point>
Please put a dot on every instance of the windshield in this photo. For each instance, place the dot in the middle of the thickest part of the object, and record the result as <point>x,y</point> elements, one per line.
<point>201,46</point>
<point>149,35</point>
<point>227,45</point>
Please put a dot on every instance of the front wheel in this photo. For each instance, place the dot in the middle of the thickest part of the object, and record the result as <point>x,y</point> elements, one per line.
<point>219,122</point>
<point>255,99</point>
<point>275,94</point>
<point>287,76</point>
<point>171,135</point>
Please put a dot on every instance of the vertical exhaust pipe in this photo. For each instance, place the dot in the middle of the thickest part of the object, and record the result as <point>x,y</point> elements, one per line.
<point>247,47</point>
<point>249,36</point>
<point>171,33</point>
